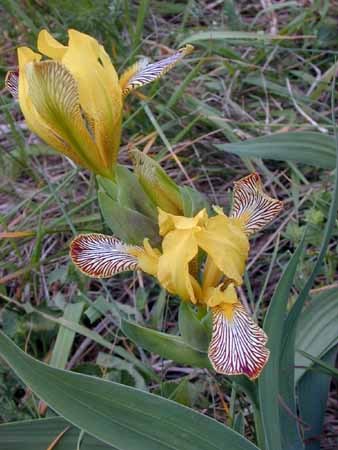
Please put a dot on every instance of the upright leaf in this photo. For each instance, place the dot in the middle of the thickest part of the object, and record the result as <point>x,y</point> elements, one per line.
<point>268,382</point>
<point>317,330</point>
<point>312,407</point>
<point>193,332</point>
<point>290,432</point>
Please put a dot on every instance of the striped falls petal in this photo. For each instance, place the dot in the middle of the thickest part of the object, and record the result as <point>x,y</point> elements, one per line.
<point>143,72</point>
<point>237,345</point>
<point>12,83</point>
<point>251,204</point>
<point>101,256</point>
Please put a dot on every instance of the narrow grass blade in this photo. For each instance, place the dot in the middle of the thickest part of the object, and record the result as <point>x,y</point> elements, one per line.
<point>325,368</point>
<point>124,417</point>
<point>78,328</point>
<point>141,15</point>
<point>306,147</point>
<point>94,336</point>
<point>178,93</point>
<point>259,36</point>
<point>39,434</point>
<point>65,338</point>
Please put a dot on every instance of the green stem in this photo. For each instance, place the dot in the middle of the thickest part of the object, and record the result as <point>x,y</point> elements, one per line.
<point>260,437</point>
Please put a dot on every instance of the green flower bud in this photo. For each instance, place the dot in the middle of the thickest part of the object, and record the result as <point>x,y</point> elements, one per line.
<point>159,187</point>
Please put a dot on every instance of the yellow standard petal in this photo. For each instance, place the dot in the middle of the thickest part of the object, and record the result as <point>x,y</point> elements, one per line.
<point>216,296</point>
<point>49,46</point>
<point>226,244</point>
<point>168,222</point>
<point>179,248</point>
<point>99,91</point>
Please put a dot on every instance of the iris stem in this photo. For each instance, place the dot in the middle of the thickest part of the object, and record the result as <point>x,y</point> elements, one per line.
<point>259,427</point>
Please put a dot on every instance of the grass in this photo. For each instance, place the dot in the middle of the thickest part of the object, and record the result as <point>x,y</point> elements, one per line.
<point>228,90</point>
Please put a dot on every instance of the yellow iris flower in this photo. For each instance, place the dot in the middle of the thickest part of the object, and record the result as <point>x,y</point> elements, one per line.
<point>238,344</point>
<point>73,100</point>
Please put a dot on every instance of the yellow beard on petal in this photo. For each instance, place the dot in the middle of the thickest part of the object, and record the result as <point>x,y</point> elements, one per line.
<point>223,298</point>
<point>228,310</point>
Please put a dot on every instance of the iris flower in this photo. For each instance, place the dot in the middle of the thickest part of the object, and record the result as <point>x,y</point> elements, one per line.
<point>238,344</point>
<point>73,101</point>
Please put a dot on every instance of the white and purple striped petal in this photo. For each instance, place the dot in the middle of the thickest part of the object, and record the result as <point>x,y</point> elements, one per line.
<point>143,72</point>
<point>101,256</point>
<point>237,345</point>
<point>251,202</point>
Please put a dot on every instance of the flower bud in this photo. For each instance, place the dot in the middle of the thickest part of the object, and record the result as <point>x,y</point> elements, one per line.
<point>160,188</point>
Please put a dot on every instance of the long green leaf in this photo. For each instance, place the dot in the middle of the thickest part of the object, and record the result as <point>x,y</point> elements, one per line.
<point>124,417</point>
<point>193,332</point>
<point>312,407</point>
<point>315,149</point>
<point>290,431</point>
<point>174,347</point>
<point>39,434</point>
<point>268,382</point>
<point>166,345</point>
<point>317,330</point>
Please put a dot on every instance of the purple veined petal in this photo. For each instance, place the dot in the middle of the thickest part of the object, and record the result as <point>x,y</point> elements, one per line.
<point>237,345</point>
<point>101,256</point>
<point>143,72</point>
<point>251,203</point>
<point>12,83</point>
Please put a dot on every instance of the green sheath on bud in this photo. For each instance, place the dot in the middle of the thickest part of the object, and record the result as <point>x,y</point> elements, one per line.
<point>160,188</point>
